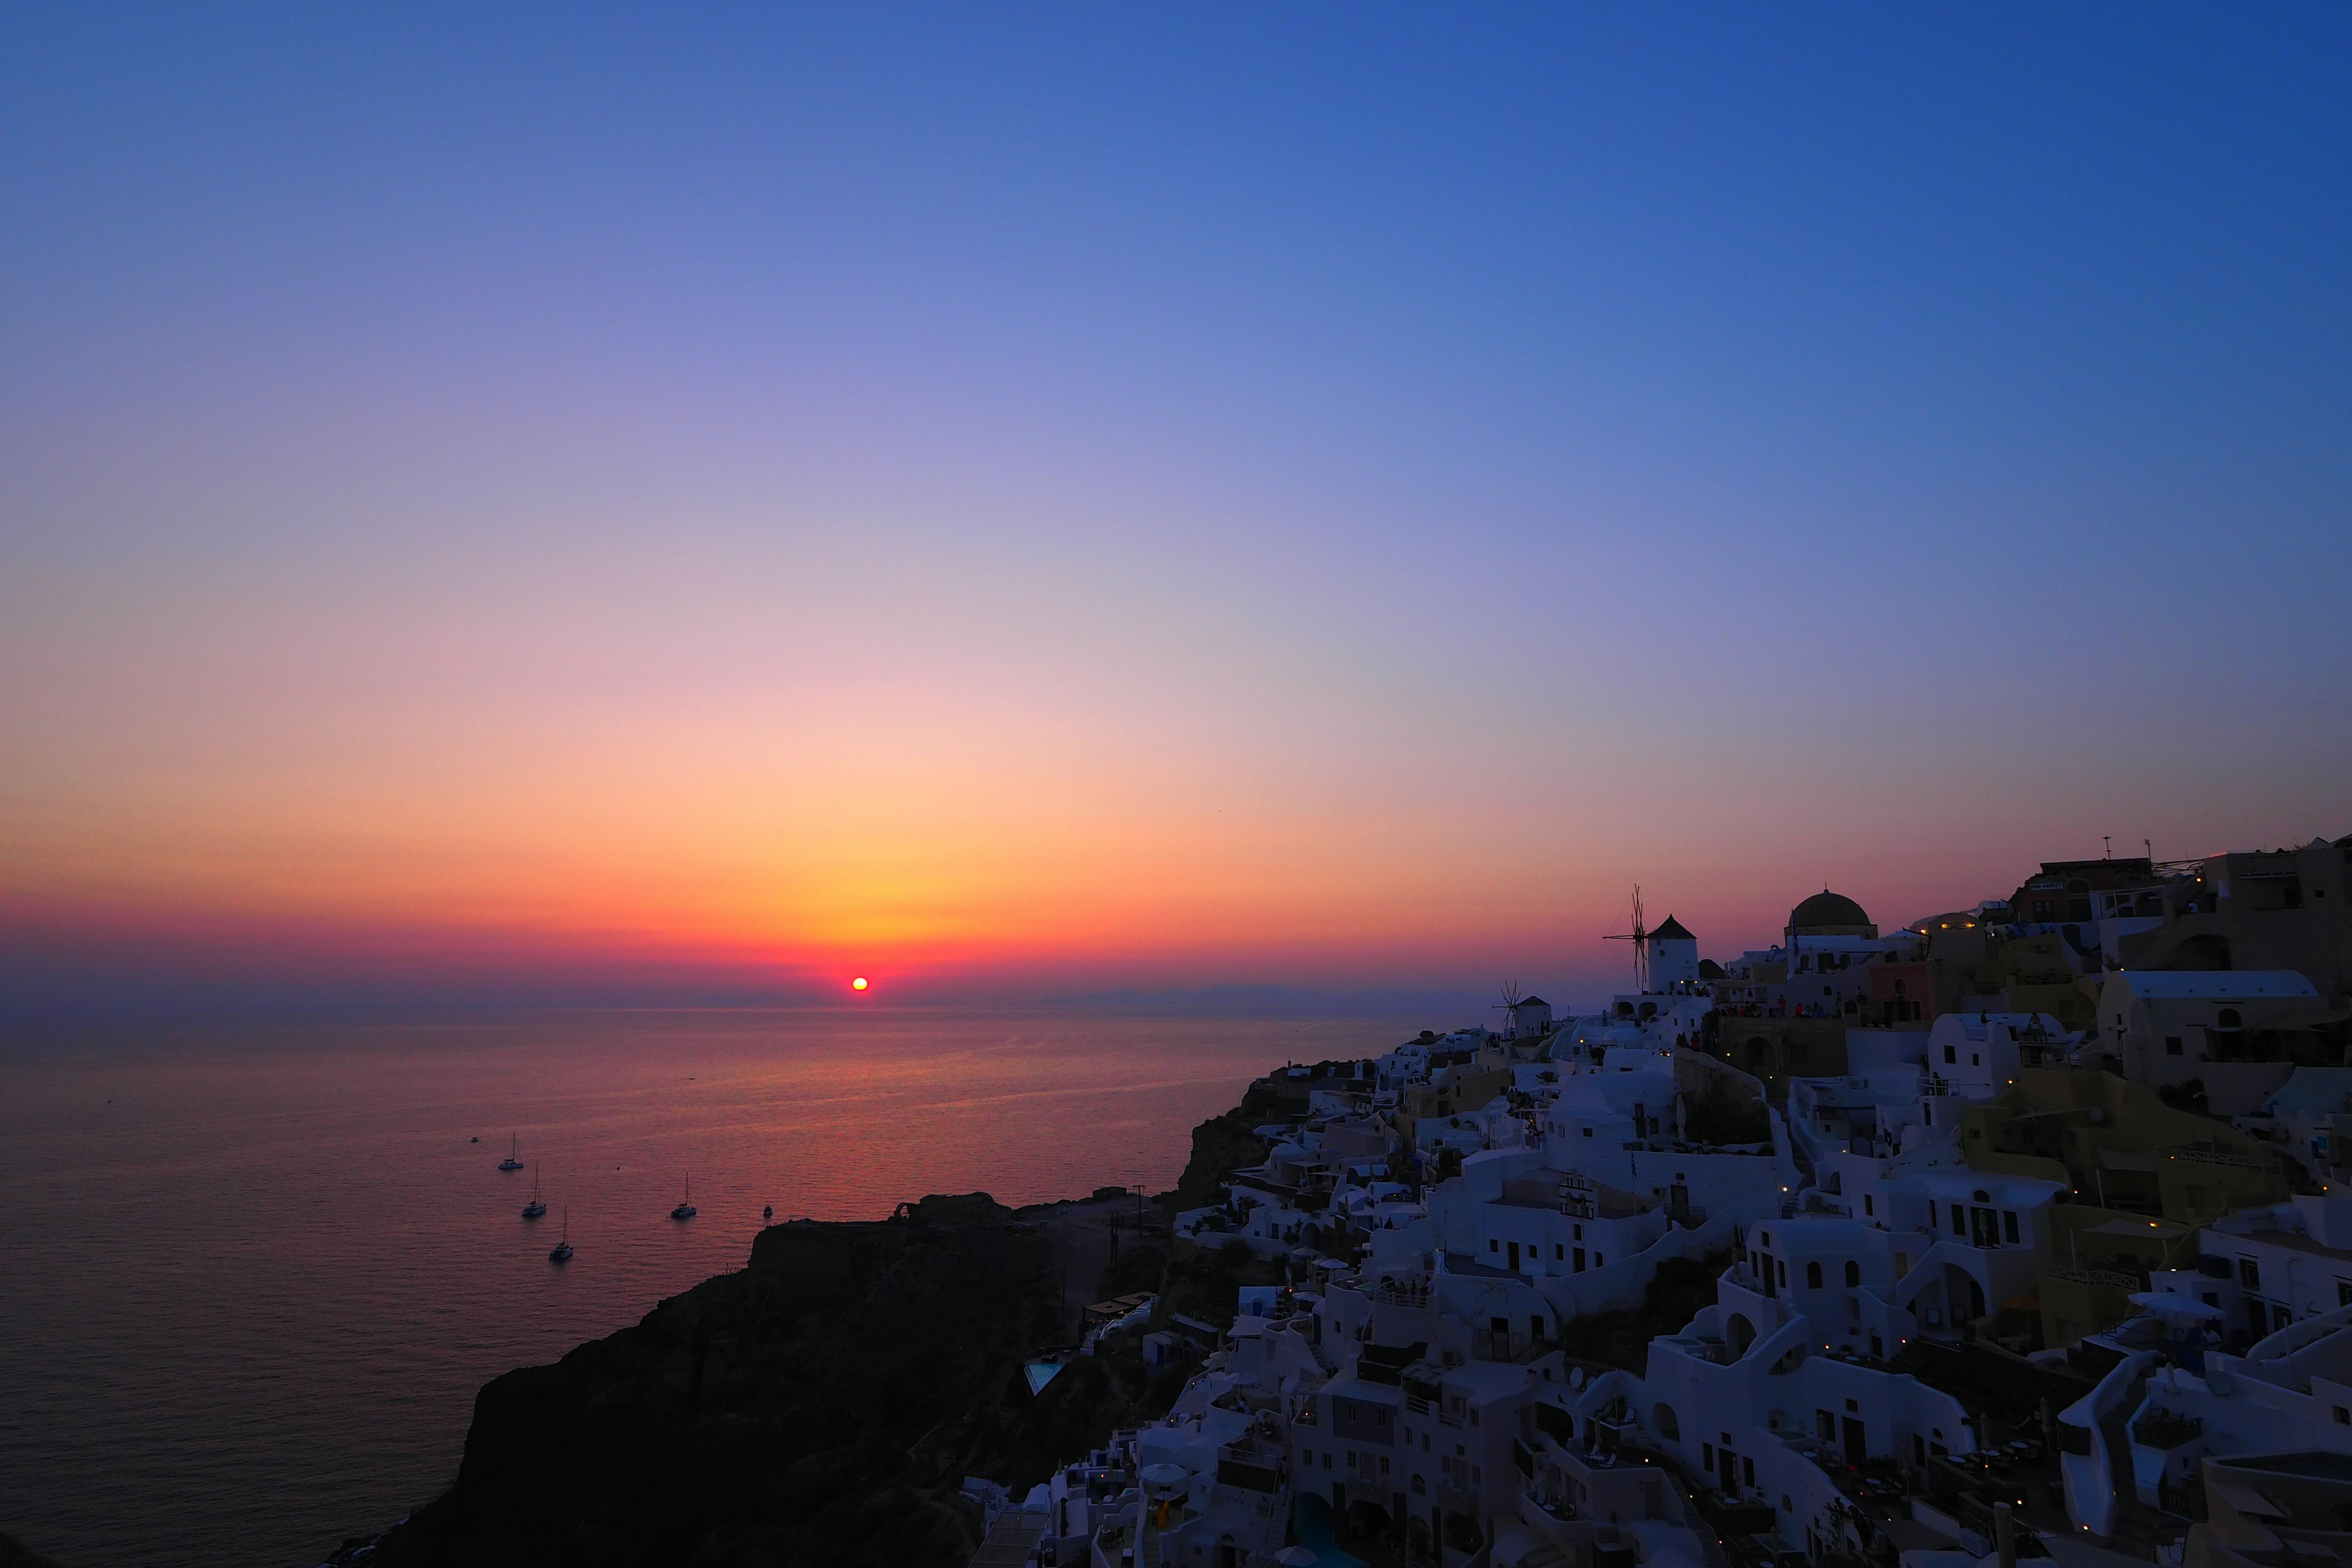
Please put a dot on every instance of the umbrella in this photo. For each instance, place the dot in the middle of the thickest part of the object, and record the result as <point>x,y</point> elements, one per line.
<point>1167,1477</point>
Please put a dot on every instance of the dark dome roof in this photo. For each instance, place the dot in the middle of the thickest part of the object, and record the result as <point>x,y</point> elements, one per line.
<point>1672,930</point>
<point>1827,909</point>
<point>1708,969</point>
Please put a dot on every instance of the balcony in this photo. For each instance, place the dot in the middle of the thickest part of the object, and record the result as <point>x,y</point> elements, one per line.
<point>2166,1429</point>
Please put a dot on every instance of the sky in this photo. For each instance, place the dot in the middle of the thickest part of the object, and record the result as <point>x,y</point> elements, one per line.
<point>612,504</point>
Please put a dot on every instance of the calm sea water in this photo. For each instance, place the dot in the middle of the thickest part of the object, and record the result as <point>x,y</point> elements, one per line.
<point>250,1281</point>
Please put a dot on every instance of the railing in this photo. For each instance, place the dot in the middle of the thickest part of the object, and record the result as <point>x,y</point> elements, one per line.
<point>2221,1157</point>
<point>1400,1296</point>
<point>2076,1275</point>
<point>2166,1429</point>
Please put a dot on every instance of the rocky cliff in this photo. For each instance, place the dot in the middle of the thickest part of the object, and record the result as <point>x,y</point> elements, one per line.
<point>765,1416</point>
<point>820,1407</point>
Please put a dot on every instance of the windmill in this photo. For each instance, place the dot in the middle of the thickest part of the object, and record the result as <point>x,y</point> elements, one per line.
<point>1508,1005</point>
<point>1639,937</point>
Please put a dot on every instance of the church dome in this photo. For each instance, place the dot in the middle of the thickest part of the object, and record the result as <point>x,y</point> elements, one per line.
<point>1827,909</point>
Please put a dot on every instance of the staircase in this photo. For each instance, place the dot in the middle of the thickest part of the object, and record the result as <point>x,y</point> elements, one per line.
<point>1277,1528</point>
<point>2133,1519</point>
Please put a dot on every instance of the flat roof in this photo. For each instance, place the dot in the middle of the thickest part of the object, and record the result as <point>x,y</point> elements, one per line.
<point>2310,1462</point>
<point>1347,1386</point>
<point>2292,1240</point>
<point>2168,983</point>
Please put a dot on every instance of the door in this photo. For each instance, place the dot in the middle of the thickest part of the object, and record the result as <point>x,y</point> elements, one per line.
<point>1857,1442</point>
<point>1728,1463</point>
<point>1514,1257</point>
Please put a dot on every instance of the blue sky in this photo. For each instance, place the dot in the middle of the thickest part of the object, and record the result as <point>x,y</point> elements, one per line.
<point>1388,478</point>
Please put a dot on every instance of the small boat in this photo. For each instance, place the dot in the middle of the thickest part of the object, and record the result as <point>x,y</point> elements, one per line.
<point>538,1205</point>
<point>769,1212</point>
<point>685,1209</point>
<point>513,1161</point>
<point>562,1252</point>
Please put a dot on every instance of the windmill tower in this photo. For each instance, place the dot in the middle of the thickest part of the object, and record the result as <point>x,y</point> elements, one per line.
<point>1508,1005</point>
<point>1639,937</point>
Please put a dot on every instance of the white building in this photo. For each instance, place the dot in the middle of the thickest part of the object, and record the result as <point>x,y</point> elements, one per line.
<point>2163,1024</point>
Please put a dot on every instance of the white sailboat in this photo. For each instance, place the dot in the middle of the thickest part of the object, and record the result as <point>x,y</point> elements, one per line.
<point>513,1161</point>
<point>562,1252</point>
<point>538,1205</point>
<point>685,1209</point>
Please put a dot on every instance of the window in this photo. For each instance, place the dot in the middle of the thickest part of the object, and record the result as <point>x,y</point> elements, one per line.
<point>1587,1132</point>
<point>1812,1275</point>
<point>1558,1252</point>
<point>1960,1220</point>
<point>1494,1246</point>
<point>2343,1292</point>
<point>1598,1260</point>
<point>1825,1425</point>
<point>2172,1044</point>
<point>1952,1055</point>
<point>2343,1416</point>
<point>2250,1274</point>
<point>1384,1464</point>
<point>1869,1204</point>
<point>2009,1227</point>
<point>1782,1269</point>
<point>1580,1260</point>
<point>1853,1274</point>
<point>1707,1455</point>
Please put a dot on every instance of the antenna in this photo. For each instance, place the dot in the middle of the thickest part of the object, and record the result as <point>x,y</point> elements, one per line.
<point>1639,937</point>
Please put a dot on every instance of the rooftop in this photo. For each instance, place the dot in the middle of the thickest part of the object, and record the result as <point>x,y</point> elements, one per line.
<point>1827,909</point>
<point>2229,984</point>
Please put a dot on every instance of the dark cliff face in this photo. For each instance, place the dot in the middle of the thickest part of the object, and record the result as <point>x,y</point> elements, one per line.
<point>765,1416</point>
<point>820,1407</point>
<point>14,1554</point>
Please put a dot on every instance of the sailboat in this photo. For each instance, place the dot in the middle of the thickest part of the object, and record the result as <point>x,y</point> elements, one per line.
<point>562,1252</point>
<point>685,1209</point>
<point>513,1161</point>
<point>537,1206</point>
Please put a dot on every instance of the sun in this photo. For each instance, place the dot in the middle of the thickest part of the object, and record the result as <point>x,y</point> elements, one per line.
<point>859,984</point>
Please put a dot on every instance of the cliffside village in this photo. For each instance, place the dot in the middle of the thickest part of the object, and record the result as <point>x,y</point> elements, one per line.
<point>2018,1231</point>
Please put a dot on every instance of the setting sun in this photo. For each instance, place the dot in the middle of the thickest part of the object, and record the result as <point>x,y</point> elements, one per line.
<point>859,984</point>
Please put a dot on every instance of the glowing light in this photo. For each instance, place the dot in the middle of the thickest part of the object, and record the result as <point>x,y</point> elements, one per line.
<point>859,984</point>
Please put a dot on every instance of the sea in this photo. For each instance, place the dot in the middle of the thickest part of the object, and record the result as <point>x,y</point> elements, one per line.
<point>252,1278</point>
